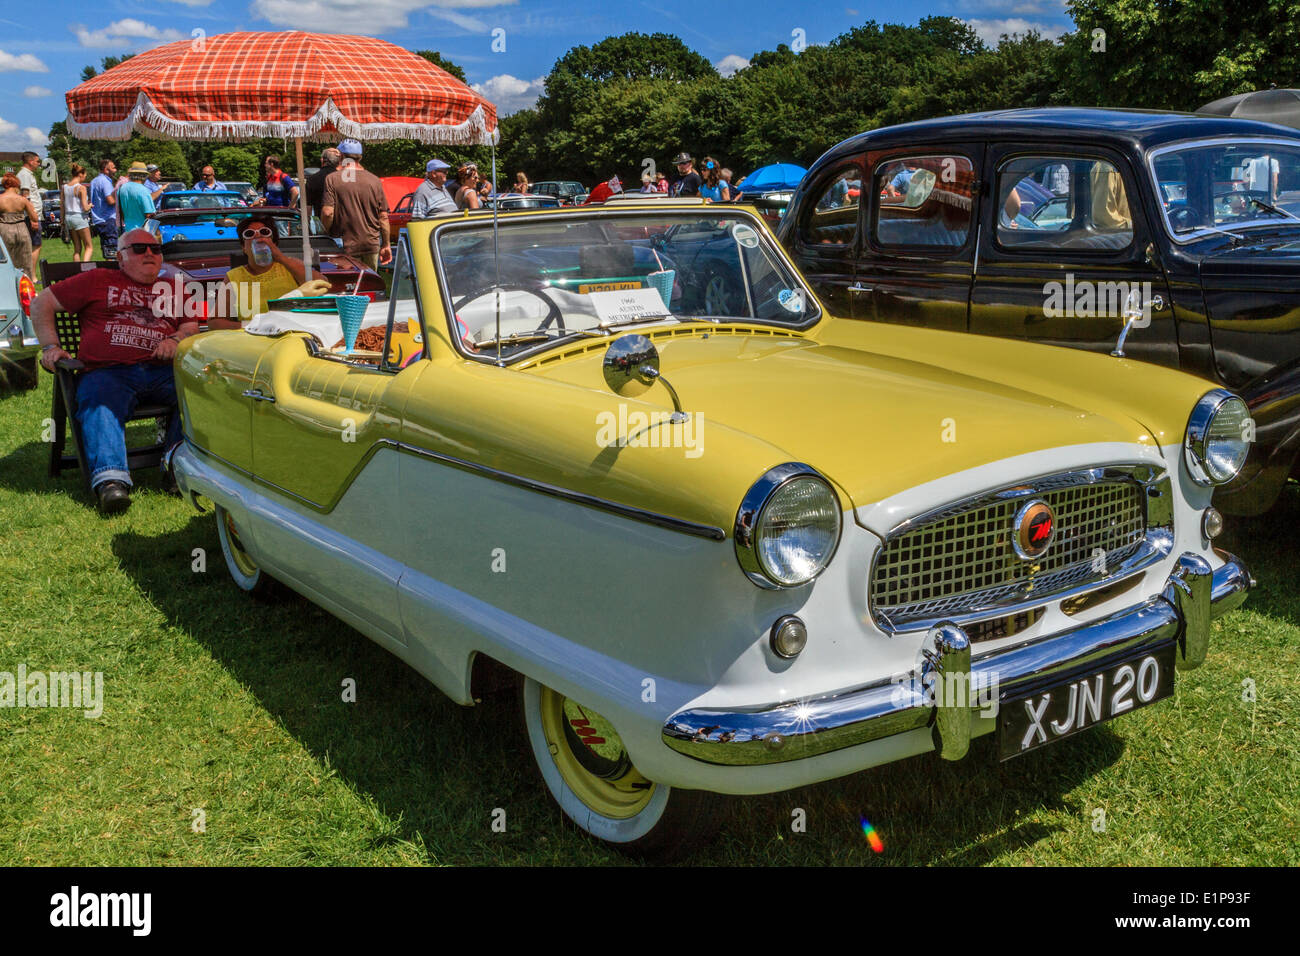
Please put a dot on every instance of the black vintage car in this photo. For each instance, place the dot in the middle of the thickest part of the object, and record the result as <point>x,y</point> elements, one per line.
<point>1066,225</point>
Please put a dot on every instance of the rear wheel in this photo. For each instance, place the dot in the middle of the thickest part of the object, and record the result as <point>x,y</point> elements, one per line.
<point>246,572</point>
<point>589,773</point>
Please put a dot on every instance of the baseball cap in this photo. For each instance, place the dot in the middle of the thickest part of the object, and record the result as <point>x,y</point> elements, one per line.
<point>434,165</point>
<point>350,147</point>
<point>151,167</point>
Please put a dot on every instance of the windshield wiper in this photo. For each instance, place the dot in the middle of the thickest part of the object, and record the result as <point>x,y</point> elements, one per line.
<point>1269,207</point>
<point>514,338</point>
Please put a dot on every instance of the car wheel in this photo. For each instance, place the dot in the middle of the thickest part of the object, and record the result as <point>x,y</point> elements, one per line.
<point>248,576</point>
<point>722,296</point>
<point>588,772</point>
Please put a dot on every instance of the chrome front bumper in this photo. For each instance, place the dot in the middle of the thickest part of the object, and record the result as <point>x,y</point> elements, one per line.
<point>1194,595</point>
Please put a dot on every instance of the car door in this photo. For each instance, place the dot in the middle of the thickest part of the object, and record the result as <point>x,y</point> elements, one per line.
<point>1068,273</point>
<point>917,256</point>
<point>827,237</point>
<point>324,429</point>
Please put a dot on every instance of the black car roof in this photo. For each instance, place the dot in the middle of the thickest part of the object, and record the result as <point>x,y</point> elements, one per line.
<point>1142,129</point>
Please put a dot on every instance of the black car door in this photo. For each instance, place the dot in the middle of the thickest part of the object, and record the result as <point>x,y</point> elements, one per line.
<point>918,250</point>
<point>1066,253</point>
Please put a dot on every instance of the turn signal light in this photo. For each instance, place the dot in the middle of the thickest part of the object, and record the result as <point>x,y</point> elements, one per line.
<point>26,292</point>
<point>789,637</point>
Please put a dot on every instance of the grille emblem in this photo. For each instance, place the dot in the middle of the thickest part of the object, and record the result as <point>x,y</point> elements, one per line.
<point>1033,529</point>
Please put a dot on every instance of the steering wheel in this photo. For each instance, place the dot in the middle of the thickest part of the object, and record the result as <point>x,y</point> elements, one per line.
<point>1183,217</point>
<point>553,313</point>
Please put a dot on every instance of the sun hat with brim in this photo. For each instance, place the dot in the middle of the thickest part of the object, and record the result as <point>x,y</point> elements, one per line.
<point>138,169</point>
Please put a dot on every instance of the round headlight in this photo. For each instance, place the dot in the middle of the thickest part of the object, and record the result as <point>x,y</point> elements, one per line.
<point>787,527</point>
<point>1219,434</point>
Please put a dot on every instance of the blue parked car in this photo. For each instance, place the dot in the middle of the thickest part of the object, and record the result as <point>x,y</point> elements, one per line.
<point>215,226</point>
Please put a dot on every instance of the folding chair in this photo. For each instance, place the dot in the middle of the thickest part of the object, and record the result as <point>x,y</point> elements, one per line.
<point>67,375</point>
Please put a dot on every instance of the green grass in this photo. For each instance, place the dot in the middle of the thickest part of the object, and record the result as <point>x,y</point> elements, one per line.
<point>220,703</point>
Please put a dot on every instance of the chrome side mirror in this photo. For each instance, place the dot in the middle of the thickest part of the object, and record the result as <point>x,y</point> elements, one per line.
<point>631,367</point>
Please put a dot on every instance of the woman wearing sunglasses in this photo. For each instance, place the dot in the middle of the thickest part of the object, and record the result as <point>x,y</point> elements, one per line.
<point>250,287</point>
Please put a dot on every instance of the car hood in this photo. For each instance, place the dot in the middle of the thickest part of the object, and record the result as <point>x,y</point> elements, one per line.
<point>875,423</point>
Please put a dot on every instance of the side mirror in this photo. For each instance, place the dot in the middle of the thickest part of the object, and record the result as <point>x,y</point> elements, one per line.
<point>631,367</point>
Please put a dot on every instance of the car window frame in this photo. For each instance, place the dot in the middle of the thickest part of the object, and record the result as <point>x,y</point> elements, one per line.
<point>815,316</point>
<point>403,254</point>
<point>857,163</point>
<point>1071,151</point>
<point>922,250</point>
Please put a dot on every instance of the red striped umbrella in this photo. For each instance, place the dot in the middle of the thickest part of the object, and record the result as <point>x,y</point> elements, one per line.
<point>292,85</point>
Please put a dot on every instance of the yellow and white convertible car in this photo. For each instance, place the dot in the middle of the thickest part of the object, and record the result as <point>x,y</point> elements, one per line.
<point>728,542</point>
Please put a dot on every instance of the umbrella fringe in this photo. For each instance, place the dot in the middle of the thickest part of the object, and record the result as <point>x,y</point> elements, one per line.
<point>325,125</point>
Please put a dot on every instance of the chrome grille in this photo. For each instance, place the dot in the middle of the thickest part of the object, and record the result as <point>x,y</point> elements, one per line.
<point>962,559</point>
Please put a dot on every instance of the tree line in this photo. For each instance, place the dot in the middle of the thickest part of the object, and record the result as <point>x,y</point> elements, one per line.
<point>609,108</point>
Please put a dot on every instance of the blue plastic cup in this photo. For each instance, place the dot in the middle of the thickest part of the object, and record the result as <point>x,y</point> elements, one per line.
<point>352,309</point>
<point>663,282</point>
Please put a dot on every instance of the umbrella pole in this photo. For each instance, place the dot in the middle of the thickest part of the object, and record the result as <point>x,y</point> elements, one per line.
<point>304,212</point>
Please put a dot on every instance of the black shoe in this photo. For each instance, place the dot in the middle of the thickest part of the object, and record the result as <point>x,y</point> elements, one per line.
<point>114,497</point>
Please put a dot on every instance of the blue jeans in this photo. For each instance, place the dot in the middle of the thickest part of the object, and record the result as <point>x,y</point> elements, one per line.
<point>107,232</point>
<point>106,397</point>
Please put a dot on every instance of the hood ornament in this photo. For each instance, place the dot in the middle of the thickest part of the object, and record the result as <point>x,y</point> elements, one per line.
<point>631,367</point>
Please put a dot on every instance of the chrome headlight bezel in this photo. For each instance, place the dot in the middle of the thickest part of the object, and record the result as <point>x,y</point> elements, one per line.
<point>1196,439</point>
<point>750,515</point>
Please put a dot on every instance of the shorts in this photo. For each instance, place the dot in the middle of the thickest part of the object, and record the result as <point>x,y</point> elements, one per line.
<point>77,221</point>
<point>36,238</point>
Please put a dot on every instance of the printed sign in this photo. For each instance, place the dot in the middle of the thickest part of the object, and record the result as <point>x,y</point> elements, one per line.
<point>615,308</point>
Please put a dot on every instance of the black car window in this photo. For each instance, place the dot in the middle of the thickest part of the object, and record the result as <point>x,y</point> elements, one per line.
<point>924,201</point>
<point>1062,202</point>
<point>833,220</point>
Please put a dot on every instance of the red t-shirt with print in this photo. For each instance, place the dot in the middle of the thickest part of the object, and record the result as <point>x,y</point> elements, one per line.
<point>122,320</point>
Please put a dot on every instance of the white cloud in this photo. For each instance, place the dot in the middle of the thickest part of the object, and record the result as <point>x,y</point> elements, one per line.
<point>34,136</point>
<point>990,31</point>
<point>7,128</point>
<point>35,92</point>
<point>192,3</point>
<point>128,32</point>
<point>13,139</point>
<point>370,17</point>
<point>1011,8</point>
<point>731,64</point>
<point>509,93</point>
<point>10,62</point>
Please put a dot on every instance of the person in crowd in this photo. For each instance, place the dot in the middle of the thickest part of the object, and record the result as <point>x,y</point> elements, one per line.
<point>688,180</point>
<point>76,208</point>
<point>648,183</point>
<point>713,188</point>
<point>433,198</point>
<point>130,328</point>
<point>329,161</point>
<point>1109,201</point>
<point>134,198</point>
<point>252,286</point>
<point>103,208</point>
<point>467,196</point>
<point>661,182</point>
<point>355,205</point>
<point>896,188</point>
<point>208,181</point>
<point>278,189</point>
<point>726,179</point>
<point>17,216</point>
<point>155,184</point>
<point>27,176</point>
<point>522,185</point>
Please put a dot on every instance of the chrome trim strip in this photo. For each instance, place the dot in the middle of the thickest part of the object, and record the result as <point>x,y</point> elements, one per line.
<point>576,497</point>
<point>793,730</point>
<point>1155,547</point>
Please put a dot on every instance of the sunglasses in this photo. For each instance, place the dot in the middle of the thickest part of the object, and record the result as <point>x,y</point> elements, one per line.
<point>140,248</point>
<point>255,233</point>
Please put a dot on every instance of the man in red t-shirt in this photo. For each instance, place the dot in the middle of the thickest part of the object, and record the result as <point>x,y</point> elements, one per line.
<point>130,326</point>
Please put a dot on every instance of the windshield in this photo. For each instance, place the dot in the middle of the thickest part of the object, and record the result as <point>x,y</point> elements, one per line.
<point>208,200</point>
<point>588,274</point>
<point>1227,186</point>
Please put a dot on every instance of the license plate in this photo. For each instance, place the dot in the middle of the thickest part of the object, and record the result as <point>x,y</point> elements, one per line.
<point>606,286</point>
<point>1062,709</point>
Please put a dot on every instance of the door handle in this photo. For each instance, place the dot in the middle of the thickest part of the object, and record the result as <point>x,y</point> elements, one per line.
<point>256,395</point>
<point>859,287</point>
<point>1158,303</point>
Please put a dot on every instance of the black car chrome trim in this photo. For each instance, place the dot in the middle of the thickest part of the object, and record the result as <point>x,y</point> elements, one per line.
<point>711,532</point>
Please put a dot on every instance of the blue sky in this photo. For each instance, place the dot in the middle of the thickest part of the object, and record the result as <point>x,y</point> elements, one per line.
<point>42,58</point>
